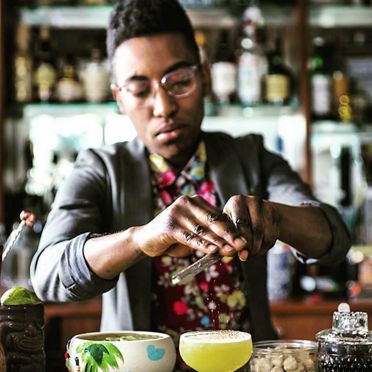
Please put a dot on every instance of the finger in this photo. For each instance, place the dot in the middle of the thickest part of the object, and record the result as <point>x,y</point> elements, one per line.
<point>179,250</point>
<point>216,242</point>
<point>237,210</point>
<point>256,212</point>
<point>189,239</point>
<point>217,225</point>
<point>28,217</point>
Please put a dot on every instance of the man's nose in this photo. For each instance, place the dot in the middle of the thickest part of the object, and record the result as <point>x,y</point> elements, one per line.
<point>164,105</point>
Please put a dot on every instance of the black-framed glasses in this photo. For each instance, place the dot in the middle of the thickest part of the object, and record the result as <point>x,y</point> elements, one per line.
<point>178,83</point>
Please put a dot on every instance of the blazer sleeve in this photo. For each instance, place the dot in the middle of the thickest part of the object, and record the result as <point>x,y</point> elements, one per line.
<point>59,271</point>
<point>283,185</point>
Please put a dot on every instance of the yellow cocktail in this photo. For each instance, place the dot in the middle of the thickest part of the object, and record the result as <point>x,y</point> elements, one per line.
<point>216,351</point>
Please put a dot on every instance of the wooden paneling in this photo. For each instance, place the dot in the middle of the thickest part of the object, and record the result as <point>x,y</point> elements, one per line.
<point>63,321</point>
<point>302,320</point>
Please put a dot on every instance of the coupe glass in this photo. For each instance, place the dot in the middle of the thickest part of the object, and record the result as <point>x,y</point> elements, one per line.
<point>216,351</point>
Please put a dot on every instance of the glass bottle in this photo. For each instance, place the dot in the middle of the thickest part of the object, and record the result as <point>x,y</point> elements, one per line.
<point>320,82</point>
<point>348,345</point>
<point>22,66</point>
<point>96,78</point>
<point>224,71</point>
<point>252,64</point>
<point>341,90</point>
<point>45,74</point>
<point>201,41</point>
<point>68,87</point>
<point>277,81</point>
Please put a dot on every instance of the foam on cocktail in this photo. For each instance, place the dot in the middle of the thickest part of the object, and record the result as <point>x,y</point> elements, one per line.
<point>218,336</point>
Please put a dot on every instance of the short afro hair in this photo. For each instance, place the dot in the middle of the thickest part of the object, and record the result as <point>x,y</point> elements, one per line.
<point>134,18</point>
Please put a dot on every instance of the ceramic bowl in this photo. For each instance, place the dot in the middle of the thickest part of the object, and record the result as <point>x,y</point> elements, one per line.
<point>124,351</point>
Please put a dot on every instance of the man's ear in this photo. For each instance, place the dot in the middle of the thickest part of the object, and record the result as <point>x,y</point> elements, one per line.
<point>206,78</point>
<point>117,97</point>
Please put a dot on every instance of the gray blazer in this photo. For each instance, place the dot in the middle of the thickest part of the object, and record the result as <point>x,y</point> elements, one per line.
<point>110,190</point>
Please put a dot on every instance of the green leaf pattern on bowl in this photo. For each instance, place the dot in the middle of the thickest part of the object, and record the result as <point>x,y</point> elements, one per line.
<point>99,356</point>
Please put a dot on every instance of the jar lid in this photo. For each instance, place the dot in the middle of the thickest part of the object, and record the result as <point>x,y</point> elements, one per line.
<point>347,327</point>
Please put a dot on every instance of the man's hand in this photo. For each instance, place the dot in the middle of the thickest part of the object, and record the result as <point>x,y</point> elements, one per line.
<point>190,223</point>
<point>256,220</point>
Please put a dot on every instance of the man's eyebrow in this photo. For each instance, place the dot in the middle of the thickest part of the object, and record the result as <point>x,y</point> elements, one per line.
<point>177,66</point>
<point>174,67</point>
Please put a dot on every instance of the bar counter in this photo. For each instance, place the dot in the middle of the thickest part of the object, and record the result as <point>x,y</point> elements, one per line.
<point>294,319</point>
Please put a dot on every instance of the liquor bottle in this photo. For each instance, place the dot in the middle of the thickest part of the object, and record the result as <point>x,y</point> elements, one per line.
<point>320,82</point>
<point>341,101</point>
<point>201,41</point>
<point>224,71</point>
<point>252,65</point>
<point>45,71</point>
<point>22,66</point>
<point>68,86</point>
<point>96,78</point>
<point>277,81</point>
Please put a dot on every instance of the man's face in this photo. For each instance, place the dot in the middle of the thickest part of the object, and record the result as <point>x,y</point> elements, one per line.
<point>167,124</point>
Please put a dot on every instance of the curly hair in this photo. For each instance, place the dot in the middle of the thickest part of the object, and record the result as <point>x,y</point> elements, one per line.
<point>134,18</point>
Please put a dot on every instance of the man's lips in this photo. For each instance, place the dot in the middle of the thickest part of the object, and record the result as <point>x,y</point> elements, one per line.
<point>170,132</point>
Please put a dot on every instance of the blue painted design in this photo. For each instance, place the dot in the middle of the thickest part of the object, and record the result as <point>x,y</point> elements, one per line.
<point>154,353</point>
<point>205,321</point>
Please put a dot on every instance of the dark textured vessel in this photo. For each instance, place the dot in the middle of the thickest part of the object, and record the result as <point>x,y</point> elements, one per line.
<point>347,347</point>
<point>22,338</point>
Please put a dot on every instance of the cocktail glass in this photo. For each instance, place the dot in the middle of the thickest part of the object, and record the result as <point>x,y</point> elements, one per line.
<point>216,351</point>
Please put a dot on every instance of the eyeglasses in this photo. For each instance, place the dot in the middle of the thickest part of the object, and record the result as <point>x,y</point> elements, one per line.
<point>178,83</point>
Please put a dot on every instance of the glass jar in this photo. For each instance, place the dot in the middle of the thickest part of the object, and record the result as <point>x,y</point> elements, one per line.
<point>348,345</point>
<point>284,355</point>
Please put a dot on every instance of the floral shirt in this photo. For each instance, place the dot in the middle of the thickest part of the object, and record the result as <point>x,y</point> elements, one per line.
<point>214,298</point>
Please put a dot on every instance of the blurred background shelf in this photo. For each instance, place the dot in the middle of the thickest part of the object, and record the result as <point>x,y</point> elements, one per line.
<point>341,16</point>
<point>325,16</point>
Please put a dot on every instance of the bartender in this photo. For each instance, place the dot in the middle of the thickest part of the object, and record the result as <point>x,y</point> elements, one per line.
<point>131,214</point>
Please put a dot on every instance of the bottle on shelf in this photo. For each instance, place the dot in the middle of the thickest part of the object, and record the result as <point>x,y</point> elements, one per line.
<point>95,77</point>
<point>22,66</point>
<point>278,80</point>
<point>201,41</point>
<point>45,73</point>
<point>341,90</point>
<point>320,82</point>
<point>252,64</point>
<point>68,86</point>
<point>224,71</point>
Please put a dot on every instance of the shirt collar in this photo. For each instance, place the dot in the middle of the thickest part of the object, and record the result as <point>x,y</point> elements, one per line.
<point>194,170</point>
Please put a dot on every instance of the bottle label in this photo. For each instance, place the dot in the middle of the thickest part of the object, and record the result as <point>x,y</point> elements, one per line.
<point>96,81</point>
<point>223,79</point>
<point>23,79</point>
<point>321,95</point>
<point>277,88</point>
<point>251,70</point>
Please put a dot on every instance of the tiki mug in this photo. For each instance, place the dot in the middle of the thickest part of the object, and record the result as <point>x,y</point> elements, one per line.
<point>22,338</point>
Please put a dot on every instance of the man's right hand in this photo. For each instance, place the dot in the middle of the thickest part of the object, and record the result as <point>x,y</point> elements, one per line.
<point>189,224</point>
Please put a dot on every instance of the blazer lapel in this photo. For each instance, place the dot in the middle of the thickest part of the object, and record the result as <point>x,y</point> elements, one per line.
<point>138,211</point>
<point>225,168</point>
